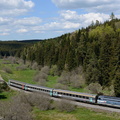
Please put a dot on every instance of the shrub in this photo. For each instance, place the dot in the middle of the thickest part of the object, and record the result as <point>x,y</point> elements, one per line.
<point>61,86</point>
<point>45,70</point>
<point>35,66</point>
<point>77,81</point>
<point>4,87</point>
<point>95,88</point>
<point>7,70</point>
<point>64,78</point>
<point>41,77</point>
<point>65,105</point>
<point>54,70</point>
<point>18,109</point>
<point>12,59</point>
<point>21,67</point>
<point>74,78</point>
<point>41,101</point>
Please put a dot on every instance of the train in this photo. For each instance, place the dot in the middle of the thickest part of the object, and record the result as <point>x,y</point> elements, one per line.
<point>77,96</point>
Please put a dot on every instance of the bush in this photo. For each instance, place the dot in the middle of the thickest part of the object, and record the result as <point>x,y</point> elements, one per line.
<point>64,78</point>
<point>77,81</point>
<point>74,78</point>
<point>35,66</point>
<point>21,67</point>
<point>54,70</point>
<point>95,88</point>
<point>65,105</point>
<point>41,101</point>
<point>61,86</point>
<point>18,109</point>
<point>45,70</point>
<point>4,87</point>
<point>41,77</point>
<point>12,59</point>
<point>7,70</point>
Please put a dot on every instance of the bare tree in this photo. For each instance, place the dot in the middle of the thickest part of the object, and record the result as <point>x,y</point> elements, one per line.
<point>94,88</point>
<point>61,86</point>
<point>7,70</point>
<point>41,101</point>
<point>65,105</point>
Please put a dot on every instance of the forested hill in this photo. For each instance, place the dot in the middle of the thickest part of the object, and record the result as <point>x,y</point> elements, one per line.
<point>13,47</point>
<point>96,48</point>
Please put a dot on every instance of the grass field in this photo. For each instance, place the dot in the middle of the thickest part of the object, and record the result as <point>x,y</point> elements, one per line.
<point>20,75</point>
<point>78,114</point>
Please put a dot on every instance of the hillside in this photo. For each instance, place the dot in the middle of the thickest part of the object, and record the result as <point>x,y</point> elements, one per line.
<point>96,48</point>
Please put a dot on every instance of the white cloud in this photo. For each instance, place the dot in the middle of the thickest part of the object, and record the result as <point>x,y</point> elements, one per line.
<point>23,25</point>
<point>15,7</point>
<point>28,21</point>
<point>89,5</point>
<point>4,34</point>
<point>84,19</point>
<point>19,4</point>
<point>4,21</point>
<point>22,30</point>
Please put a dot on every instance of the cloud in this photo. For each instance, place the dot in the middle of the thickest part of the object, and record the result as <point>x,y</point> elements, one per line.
<point>15,7</point>
<point>67,21</point>
<point>21,25</point>
<point>89,5</point>
<point>4,21</point>
<point>22,30</point>
<point>18,4</point>
<point>4,34</point>
<point>28,21</point>
<point>83,19</point>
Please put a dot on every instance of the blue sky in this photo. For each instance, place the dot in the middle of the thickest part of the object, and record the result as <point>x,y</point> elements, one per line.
<point>42,19</point>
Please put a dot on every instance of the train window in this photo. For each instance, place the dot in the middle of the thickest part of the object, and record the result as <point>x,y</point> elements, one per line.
<point>83,96</point>
<point>87,97</point>
<point>69,94</point>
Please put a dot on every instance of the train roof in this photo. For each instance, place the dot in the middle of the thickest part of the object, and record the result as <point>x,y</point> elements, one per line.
<point>76,93</point>
<point>38,86</point>
<point>17,81</point>
<point>32,85</point>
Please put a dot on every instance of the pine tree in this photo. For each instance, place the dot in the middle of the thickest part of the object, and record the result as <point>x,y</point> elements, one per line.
<point>112,16</point>
<point>117,84</point>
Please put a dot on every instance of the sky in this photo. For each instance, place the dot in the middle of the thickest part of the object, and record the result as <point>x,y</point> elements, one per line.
<point>43,19</point>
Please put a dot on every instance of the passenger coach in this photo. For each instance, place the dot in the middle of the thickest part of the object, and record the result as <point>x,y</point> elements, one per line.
<point>74,95</point>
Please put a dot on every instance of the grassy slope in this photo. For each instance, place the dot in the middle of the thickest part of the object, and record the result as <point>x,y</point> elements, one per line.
<point>21,75</point>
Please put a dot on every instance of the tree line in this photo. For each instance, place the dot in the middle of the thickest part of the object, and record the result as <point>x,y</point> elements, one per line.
<point>12,48</point>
